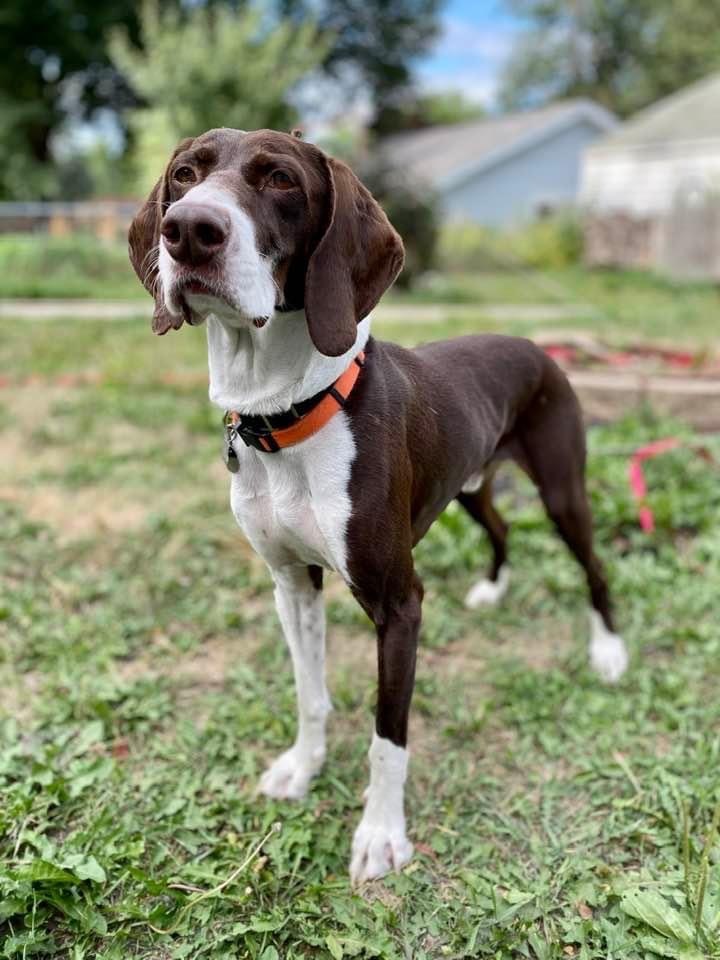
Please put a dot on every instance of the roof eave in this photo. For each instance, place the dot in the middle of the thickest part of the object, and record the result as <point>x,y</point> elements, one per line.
<point>596,114</point>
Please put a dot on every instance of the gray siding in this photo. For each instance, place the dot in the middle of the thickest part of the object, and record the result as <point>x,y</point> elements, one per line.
<point>511,191</point>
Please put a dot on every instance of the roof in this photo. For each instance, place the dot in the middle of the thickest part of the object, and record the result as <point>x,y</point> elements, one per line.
<point>692,113</point>
<point>447,155</point>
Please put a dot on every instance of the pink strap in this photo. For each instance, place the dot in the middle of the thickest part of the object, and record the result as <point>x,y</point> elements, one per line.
<point>637,478</point>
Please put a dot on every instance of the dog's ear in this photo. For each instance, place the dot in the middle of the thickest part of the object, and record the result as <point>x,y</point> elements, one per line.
<point>143,247</point>
<point>355,261</point>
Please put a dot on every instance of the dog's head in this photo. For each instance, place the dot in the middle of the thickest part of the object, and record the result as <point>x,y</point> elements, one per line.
<point>241,224</point>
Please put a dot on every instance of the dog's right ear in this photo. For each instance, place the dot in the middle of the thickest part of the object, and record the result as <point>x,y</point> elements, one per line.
<point>143,247</point>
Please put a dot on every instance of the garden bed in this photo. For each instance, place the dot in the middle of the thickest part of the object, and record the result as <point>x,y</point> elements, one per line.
<point>683,384</point>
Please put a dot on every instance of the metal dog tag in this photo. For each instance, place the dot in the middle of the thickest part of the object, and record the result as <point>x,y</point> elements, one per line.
<point>229,455</point>
<point>230,458</point>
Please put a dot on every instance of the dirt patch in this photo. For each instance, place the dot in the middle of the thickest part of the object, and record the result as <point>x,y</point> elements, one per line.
<point>77,514</point>
<point>203,669</point>
<point>28,468</point>
<point>545,649</point>
<point>20,690</point>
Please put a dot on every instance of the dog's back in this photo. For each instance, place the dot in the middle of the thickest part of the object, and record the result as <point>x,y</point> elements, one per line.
<point>451,408</point>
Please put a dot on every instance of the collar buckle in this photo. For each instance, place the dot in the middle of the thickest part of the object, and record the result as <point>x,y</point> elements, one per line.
<point>270,433</point>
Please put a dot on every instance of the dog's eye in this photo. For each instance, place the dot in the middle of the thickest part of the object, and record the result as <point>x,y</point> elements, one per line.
<point>281,180</point>
<point>185,175</point>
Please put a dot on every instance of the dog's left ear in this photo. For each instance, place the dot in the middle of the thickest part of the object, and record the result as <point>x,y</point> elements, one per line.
<point>143,240</point>
<point>355,261</point>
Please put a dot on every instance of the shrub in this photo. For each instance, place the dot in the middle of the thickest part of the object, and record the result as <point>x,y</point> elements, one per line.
<point>412,210</point>
<point>549,243</point>
<point>78,265</point>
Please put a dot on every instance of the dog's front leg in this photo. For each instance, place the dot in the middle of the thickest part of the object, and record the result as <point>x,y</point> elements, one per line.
<point>299,601</point>
<point>380,843</point>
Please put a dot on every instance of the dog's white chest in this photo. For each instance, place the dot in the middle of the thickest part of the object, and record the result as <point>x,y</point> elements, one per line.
<point>294,505</point>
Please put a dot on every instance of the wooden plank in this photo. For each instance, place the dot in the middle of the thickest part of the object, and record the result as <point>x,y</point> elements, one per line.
<point>606,396</point>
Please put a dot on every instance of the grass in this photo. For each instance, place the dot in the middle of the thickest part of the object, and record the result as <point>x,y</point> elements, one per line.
<point>145,685</point>
<point>621,305</point>
<point>79,265</point>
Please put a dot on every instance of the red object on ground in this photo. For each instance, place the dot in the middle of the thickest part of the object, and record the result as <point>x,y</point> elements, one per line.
<point>561,353</point>
<point>567,352</point>
<point>637,478</point>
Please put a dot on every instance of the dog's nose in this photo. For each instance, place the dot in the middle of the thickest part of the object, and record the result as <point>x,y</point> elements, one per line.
<point>194,233</point>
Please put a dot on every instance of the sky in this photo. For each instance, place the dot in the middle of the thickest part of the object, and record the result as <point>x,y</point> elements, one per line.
<point>476,38</point>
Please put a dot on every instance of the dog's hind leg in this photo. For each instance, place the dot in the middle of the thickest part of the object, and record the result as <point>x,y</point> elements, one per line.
<point>479,504</point>
<point>554,454</point>
<point>571,515</point>
<point>299,601</point>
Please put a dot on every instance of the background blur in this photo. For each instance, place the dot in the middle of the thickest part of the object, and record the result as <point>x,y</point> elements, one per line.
<point>554,169</point>
<point>523,148</point>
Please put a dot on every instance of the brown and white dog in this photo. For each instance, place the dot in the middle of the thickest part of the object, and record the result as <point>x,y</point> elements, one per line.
<point>284,253</point>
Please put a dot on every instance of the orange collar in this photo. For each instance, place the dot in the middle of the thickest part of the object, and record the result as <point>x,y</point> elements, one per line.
<point>276,431</point>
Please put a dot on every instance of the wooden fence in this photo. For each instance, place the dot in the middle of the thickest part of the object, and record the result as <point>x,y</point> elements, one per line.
<point>105,219</point>
<point>683,243</point>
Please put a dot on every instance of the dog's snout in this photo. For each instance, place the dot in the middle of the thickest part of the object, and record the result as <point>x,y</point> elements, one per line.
<point>194,233</point>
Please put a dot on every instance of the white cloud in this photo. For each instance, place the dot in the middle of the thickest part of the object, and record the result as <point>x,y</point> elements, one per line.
<point>469,57</point>
<point>463,39</point>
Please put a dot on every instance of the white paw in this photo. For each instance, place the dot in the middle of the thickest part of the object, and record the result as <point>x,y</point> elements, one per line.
<point>378,849</point>
<point>488,592</point>
<point>288,777</point>
<point>608,654</point>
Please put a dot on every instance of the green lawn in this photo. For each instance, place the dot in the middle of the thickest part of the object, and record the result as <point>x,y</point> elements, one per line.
<point>622,305</point>
<point>618,305</point>
<point>145,685</point>
<point>80,265</point>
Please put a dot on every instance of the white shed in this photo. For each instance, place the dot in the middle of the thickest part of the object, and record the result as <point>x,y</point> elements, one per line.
<point>668,151</point>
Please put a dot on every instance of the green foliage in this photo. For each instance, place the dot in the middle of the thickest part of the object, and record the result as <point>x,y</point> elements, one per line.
<point>448,107</point>
<point>37,265</point>
<point>687,914</point>
<point>54,69</point>
<point>431,109</point>
<point>235,71</point>
<point>625,55</point>
<point>22,175</point>
<point>549,243</point>
<point>243,57</point>
<point>378,42</point>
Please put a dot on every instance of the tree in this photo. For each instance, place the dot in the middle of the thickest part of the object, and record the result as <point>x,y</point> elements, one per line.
<point>234,71</point>
<point>420,110</point>
<point>56,70</point>
<point>376,43</point>
<point>53,65</point>
<point>625,54</point>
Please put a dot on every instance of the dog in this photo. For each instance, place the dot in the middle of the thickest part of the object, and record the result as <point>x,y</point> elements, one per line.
<point>344,449</point>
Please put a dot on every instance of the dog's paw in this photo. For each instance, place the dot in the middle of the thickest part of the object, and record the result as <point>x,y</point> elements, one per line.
<point>608,654</point>
<point>378,849</point>
<point>486,593</point>
<point>288,777</point>
<point>609,659</point>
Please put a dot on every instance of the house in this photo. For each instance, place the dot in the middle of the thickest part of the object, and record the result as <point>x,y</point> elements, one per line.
<point>499,171</point>
<point>651,186</point>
